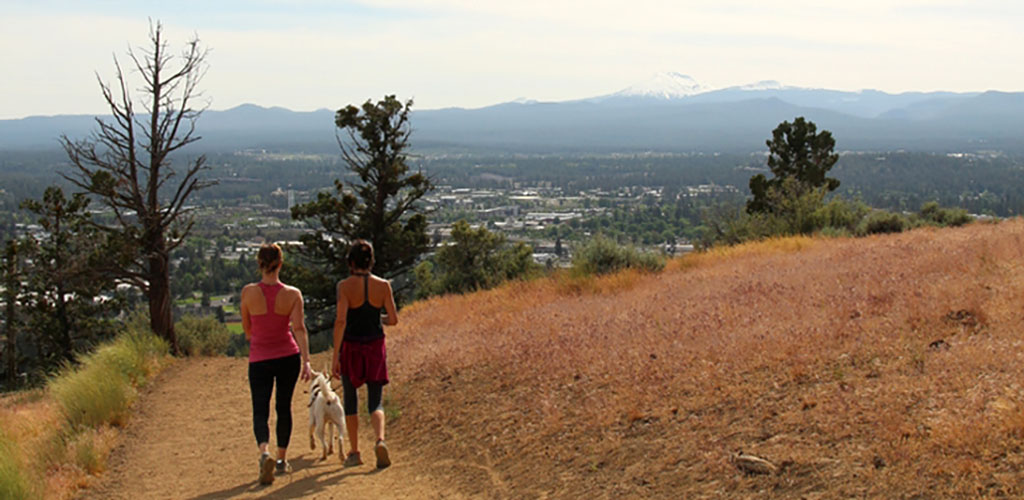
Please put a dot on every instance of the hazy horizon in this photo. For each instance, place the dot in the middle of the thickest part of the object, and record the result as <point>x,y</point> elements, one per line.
<point>318,54</point>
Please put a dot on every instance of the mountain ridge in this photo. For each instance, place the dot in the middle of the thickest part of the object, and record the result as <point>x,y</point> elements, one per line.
<point>693,117</point>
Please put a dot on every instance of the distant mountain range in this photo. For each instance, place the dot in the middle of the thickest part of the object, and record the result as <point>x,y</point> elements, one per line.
<point>669,112</point>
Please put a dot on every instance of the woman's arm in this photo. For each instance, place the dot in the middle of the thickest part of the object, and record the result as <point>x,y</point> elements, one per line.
<point>391,319</point>
<point>298,320</point>
<point>339,331</point>
<point>243,307</point>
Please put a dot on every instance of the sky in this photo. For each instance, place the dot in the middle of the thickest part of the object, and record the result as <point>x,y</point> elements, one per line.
<point>312,54</point>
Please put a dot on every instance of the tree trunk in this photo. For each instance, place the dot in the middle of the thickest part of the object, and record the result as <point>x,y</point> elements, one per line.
<point>66,349</point>
<point>161,317</point>
<point>10,320</point>
<point>12,345</point>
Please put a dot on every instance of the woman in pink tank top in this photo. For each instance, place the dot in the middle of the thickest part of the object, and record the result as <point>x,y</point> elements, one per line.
<point>272,317</point>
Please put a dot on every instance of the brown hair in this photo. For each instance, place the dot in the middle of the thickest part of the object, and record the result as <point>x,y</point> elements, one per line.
<point>269,257</point>
<point>360,255</point>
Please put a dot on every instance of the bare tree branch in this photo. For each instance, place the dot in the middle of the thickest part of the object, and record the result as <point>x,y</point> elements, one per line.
<point>126,164</point>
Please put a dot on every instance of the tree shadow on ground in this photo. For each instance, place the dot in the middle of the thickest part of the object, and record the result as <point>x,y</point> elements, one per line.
<point>308,478</point>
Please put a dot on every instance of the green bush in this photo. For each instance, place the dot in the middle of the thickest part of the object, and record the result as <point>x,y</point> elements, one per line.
<point>13,483</point>
<point>932,214</point>
<point>880,221</point>
<point>202,336</point>
<point>602,255</point>
<point>317,343</point>
<point>476,259</point>
<point>238,346</point>
<point>839,216</point>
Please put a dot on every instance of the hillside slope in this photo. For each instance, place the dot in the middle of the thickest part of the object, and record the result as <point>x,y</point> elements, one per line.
<point>884,367</point>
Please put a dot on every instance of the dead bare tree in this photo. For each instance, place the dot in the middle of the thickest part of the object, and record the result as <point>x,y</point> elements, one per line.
<point>126,166</point>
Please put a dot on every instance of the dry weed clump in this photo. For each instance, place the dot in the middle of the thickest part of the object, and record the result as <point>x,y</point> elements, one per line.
<point>881,367</point>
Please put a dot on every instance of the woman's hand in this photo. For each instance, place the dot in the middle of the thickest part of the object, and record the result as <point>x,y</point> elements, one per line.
<point>336,367</point>
<point>307,372</point>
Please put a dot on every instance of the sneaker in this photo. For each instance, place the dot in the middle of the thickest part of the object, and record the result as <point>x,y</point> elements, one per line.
<point>383,461</point>
<point>282,467</point>
<point>353,459</point>
<point>266,469</point>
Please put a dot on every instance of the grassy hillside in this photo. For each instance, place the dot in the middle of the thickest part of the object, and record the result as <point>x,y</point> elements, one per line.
<point>882,367</point>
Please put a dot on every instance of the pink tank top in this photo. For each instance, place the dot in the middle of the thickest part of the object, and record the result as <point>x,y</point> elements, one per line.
<point>271,338</point>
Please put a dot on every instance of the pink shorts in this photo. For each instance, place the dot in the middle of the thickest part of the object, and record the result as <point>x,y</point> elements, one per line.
<point>363,363</point>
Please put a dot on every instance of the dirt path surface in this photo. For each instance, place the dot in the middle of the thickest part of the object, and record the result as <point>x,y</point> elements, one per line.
<point>191,438</point>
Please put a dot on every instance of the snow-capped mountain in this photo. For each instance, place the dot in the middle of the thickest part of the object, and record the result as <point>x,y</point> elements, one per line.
<point>764,85</point>
<point>668,112</point>
<point>668,85</point>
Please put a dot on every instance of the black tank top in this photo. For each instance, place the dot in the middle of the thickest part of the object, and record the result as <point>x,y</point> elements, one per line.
<point>362,324</point>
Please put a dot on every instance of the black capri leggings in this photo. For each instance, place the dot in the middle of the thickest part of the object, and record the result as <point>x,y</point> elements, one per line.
<point>261,384</point>
<point>374,391</point>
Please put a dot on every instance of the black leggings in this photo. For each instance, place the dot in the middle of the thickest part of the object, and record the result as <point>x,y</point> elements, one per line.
<point>374,392</point>
<point>261,384</point>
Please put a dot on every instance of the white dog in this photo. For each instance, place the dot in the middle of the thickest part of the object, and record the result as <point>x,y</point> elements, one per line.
<point>325,410</point>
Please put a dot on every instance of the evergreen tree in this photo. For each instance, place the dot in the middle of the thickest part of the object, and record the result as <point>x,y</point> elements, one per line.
<point>63,281</point>
<point>477,259</point>
<point>13,274</point>
<point>382,206</point>
<point>798,152</point>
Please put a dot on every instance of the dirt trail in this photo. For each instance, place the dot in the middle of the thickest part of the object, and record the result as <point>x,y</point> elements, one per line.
<point>191,438</point>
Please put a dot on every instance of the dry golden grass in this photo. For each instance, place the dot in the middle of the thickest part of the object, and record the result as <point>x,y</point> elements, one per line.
<point>34,424</point>
<point>820,355</point>
<point>59,453</point>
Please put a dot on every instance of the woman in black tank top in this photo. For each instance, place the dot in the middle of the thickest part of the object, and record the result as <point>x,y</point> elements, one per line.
<point>360,355</point>
<point>363,324</point>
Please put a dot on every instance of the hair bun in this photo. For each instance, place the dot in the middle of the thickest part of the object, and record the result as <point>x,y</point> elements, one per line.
<point>360,255</point>
<point>269,257</point>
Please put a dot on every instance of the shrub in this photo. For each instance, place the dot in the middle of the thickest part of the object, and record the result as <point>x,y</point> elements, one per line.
<point>202,336</point>
<point>840,216</point>
<point>477,259</point>
<point>238,346</point>
<point>317,343</point>
<point>931,213</point>
<point>602,255</point>
<point>880,221</point>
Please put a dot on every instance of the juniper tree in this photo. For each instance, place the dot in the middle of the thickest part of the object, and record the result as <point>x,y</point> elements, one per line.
<point>13,274</point>
<point>381,205</point>
<point>64,279</point>
<point>797,152</point>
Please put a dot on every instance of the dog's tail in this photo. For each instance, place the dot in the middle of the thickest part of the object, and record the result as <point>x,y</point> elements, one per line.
<point>325,389</point>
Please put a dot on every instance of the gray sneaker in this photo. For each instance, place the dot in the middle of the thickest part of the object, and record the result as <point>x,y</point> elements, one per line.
<point>266,469</point>
<point>282,467</point>
<point>383,461</point>
<point>353,460</point>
